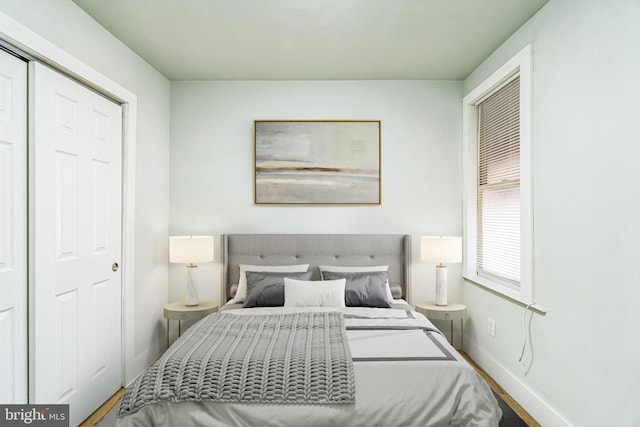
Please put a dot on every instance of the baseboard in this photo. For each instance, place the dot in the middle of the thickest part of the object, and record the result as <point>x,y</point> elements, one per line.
<point>141,362</point>
<point>540,410</point>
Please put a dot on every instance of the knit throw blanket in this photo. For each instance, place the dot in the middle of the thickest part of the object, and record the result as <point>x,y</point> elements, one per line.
<point>300,358</point>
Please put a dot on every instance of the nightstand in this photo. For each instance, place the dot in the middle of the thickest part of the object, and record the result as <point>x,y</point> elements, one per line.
<point>180,311</point>
<point>450,312</point>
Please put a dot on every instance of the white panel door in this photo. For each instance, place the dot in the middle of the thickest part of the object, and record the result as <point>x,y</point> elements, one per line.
<point>13,229</point>
<point>75,208</point>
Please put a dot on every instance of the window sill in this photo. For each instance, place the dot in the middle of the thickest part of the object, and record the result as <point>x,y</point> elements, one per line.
<point>505,292</point>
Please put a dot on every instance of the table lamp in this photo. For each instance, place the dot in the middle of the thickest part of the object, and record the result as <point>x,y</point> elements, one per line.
<point>191,250</point>
<point>441,250</point>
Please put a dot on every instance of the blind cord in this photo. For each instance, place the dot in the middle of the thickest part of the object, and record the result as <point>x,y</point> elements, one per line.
<point>524,330</point>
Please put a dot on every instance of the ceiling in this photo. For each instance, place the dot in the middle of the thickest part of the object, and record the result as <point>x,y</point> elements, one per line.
<point>312,39</point>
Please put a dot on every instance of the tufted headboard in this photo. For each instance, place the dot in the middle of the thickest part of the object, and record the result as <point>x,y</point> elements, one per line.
<point>393,250</point>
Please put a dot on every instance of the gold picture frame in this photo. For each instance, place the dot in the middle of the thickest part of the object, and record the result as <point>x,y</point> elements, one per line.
<point>317,162</point>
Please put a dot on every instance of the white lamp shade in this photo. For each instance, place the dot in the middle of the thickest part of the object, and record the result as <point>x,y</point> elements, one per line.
<point>441,249</point>
<point>190,249</point>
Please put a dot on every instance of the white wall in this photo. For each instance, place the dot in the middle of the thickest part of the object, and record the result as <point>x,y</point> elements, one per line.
<point>586,102</point>
<point>65,25</point>
<point>212,163</point>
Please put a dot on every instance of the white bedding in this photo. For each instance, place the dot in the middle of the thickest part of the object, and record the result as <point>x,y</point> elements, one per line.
<point>403,378</point>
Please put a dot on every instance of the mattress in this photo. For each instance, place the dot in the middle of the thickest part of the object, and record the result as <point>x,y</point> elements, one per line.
<point>406,374</point>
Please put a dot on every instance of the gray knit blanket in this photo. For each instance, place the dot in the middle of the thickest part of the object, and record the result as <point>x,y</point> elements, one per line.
<point>300,358</point>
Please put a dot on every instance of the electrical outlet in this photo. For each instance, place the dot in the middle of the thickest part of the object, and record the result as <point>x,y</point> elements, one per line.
<point>491,327</point>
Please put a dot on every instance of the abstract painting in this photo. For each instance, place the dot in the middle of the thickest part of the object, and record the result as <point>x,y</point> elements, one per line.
<point>317,162</point>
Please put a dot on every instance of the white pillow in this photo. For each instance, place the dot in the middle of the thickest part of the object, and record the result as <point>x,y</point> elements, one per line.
<point>324,293</point>
<point>359,269</point>
<point>241,293</point>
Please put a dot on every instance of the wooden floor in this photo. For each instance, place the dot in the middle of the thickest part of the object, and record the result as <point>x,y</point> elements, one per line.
<point>104,410</point>
<point>112,403</point>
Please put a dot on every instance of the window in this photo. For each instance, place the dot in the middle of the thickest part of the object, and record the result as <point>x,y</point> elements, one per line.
<point>498,184</point>
<point>498,218</point>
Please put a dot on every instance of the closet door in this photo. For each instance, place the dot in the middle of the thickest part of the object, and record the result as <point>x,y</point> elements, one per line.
<point>13,229</point>
<point>75,207</point>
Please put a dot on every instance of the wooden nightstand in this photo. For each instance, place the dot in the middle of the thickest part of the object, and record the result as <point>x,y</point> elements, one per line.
<point>453,311</point>
<point>180,311</point>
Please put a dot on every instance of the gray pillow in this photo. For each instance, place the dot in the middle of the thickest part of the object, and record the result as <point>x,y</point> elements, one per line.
<point>363,289</point>
<point>396,291</point>
<point>266,289</point>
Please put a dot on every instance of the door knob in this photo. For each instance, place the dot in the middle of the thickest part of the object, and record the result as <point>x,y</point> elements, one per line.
<point>115,266</point>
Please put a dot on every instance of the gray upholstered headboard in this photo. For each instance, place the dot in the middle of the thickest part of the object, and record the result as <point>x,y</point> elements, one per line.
<point>393,250</point>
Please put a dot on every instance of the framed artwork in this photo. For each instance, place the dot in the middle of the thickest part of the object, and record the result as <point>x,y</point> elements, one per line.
<point>317,162</point>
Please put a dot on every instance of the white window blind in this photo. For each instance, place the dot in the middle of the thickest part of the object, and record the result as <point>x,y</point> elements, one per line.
<point>498,180</point>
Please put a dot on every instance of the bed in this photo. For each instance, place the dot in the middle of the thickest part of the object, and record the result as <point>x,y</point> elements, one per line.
<point>345,351</point>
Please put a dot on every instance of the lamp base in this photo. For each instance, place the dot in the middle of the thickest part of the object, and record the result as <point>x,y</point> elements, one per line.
<point>192,287</point>
<point>441,285</point>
